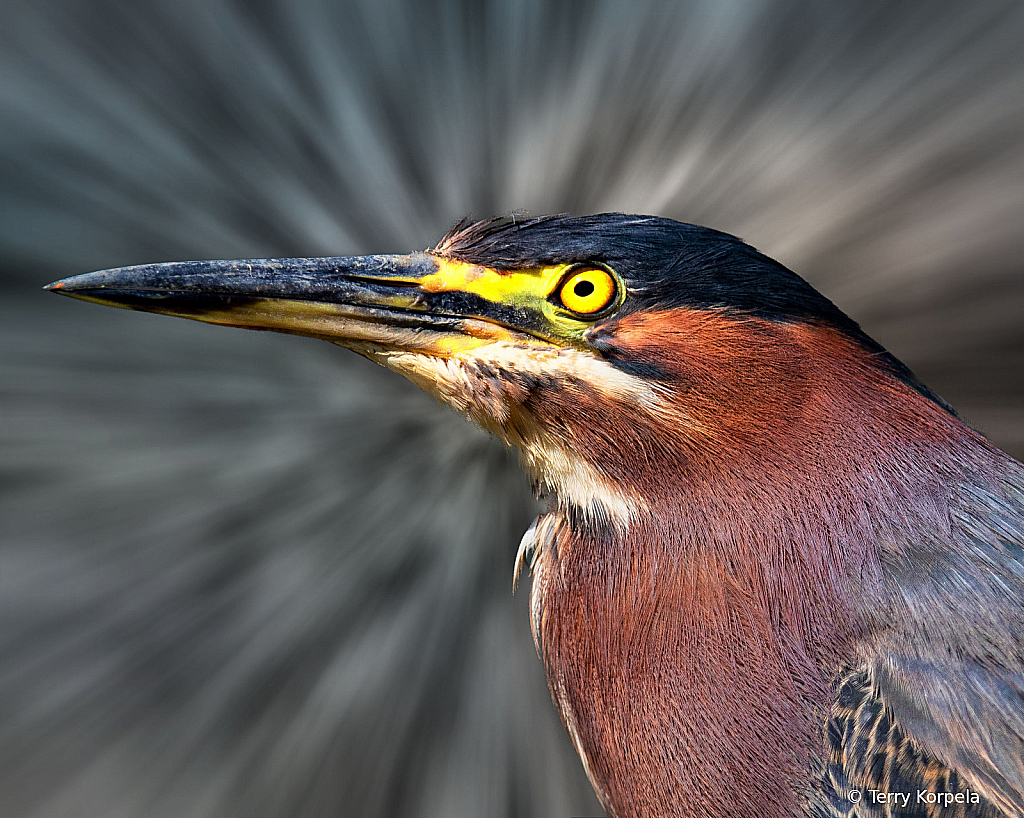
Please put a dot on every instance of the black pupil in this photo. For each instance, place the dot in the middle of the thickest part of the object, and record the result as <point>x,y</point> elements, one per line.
<point>583,288</point>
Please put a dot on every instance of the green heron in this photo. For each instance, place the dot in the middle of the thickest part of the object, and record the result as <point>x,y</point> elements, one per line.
<point>777,575</point>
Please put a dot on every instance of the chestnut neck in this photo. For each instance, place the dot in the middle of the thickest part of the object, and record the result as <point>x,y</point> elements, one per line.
<point>691,653</point>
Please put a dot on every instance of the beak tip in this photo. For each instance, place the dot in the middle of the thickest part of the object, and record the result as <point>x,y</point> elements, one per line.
<point>57,287</point>
<point>69,286</point>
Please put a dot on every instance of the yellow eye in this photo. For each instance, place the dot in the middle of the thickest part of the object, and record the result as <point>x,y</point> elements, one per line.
<point>587,291</point>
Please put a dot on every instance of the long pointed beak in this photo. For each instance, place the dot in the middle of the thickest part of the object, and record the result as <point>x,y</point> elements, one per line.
<point>367,303</point>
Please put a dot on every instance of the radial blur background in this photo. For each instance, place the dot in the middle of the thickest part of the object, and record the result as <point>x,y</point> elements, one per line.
<point>254,575</point>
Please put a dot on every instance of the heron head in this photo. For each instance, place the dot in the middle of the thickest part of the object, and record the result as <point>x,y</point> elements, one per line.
<point>603,347</point>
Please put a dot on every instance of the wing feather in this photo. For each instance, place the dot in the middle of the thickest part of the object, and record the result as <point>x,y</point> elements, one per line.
<point>949,667</point>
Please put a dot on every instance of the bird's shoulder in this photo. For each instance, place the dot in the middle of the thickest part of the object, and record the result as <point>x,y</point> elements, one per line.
<point>933,707</point>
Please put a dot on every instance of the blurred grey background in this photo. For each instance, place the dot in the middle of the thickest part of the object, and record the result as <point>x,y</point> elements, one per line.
<point>254,575</point>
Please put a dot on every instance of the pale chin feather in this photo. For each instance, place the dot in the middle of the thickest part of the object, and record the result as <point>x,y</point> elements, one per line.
<point>489,402</point>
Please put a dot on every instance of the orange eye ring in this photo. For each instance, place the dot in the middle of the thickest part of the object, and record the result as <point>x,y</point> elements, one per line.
<point>588,290</point>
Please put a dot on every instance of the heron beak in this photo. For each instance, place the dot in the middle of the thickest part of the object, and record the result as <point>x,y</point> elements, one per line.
<point>370,304</point>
